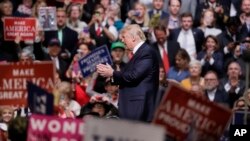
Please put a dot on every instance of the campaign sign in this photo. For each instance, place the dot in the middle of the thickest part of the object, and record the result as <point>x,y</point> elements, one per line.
<point>23,27</point>
<point>121,130</point>
<point>47,18</point>
<point>186,116</point>
<point>14,77</point>
<point>99,55</point>
<point>52,128</point>
<point>241,117</point>
<point>39,100</point>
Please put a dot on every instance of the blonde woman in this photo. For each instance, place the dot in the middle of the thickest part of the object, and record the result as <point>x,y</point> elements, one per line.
<point>138,15</point>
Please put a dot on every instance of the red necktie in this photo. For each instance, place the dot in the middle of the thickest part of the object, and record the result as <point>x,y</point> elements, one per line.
<point>165,59</point>
<point>98,31</point>
<point>130,55</point>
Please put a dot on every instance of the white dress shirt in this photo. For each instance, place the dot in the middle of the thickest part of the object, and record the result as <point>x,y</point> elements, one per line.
<point>137,47</point>
<point>187,42</point>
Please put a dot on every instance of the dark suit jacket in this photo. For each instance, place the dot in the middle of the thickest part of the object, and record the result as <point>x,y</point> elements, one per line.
<point>197,33</point>
<point>233,96</point>
<point>172,48</point>
<point>217,66</point>
<point>139,81</point>
<point>43,56</point>
<point>225,38</point>
<point>69,41</point>
<point>244,32</point>
<point>220,97</point>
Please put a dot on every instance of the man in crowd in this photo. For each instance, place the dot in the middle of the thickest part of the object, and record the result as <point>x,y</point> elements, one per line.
<point>138,81</point>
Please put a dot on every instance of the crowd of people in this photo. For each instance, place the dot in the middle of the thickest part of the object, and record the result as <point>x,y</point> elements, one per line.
<point>200,45</point>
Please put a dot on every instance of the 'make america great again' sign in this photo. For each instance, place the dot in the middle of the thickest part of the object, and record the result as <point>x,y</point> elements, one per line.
<point>23,27</point>
<point>14,77</point>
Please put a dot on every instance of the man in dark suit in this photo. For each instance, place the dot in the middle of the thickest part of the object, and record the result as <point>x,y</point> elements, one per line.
<point>68,38</point>
<point>162,46</point>
<point>212,91</point>
<point>190,39</point>
<point>54,49</point>
<point>139,80</point>
<point>158,9</point>
<point>233,85</point>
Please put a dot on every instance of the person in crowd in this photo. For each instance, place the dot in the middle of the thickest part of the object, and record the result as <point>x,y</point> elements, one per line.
<point>245,28</point>
<point>179,71</point>
<point>36,6</point>
<point>166,50</point>
<point>24,9</point>
<point>229,36</point>
<point>158,10</point>
<point>212,91</point>
<point>102,31</point>
<point>53,54</point>
<point>174,13</point>
<point>113,14</point>
<point>26,54</point>
<point>67,37</point>
<point>237,56</point>
<point>232,83</point>
<point>220,9</point>
<point>195,77</point>
<point>101,105</point>
<point>139,80</point>
<point>117,53</point>
<point>190,38</point>
<point>73,22</point>
<point>112,92</point>
<point>68,106</point>
<point>7,114</point>
<point>187,6</point>
<point>243,103</point>
<point>8,49</point>
<point>208,23</point>
<point>17,130</point>
<point>244,9</point>
<point>162,86</point>
<point>211,58</point>
<point>74,73</point>
<point>138,15</point>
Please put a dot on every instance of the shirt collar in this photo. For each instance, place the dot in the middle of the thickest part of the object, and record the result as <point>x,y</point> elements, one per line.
<point>155,11</point>
<point>137,47</point>
<point>211,92</point>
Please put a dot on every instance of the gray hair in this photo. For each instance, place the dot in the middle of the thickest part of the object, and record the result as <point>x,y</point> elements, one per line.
<point>27,51</point>
<point>195,62</point>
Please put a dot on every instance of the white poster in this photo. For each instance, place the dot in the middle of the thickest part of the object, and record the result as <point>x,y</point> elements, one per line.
<point>119,130</point>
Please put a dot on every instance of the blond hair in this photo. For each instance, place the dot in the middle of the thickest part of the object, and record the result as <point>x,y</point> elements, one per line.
<point>134,29</point>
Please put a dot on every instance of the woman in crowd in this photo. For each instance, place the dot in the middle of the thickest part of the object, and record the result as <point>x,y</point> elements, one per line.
<point>74,15</point>
<point>24,9</point>
<point>208,23</point>
<point>211,58</point>
<point>195,75</point>
<point>74,73</point>
<point>138,15</point>
<point>68,108</point>
<point>180,70</point>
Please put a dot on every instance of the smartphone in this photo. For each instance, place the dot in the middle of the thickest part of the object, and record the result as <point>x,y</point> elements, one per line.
<point>137,13</point>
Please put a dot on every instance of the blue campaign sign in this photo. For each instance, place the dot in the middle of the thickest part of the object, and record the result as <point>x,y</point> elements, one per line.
<point>241,117</point>
<point>99,55</point>
<point>39,100</point>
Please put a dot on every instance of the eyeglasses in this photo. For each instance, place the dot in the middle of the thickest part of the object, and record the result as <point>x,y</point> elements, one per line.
<point>210,79</point>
